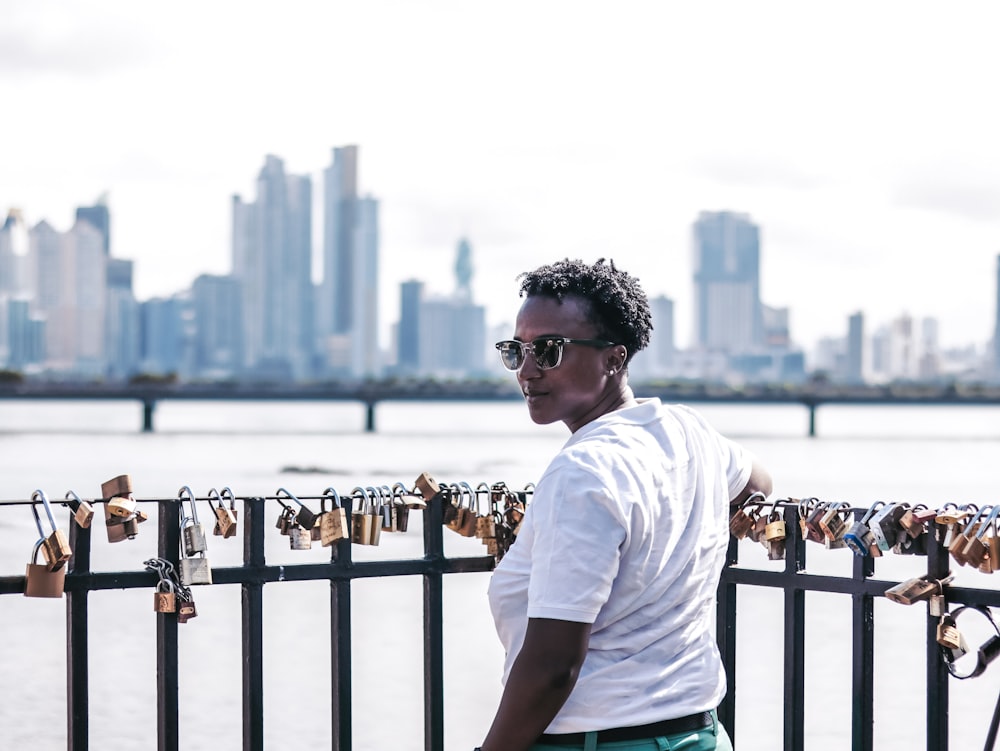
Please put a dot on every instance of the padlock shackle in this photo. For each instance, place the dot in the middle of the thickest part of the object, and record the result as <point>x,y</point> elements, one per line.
<point>34,550</point>
<point>73,498</point>
<point>227,493</point>
<point>333,495</point>
<point>186,494</point>
<point>38,495</point>
<point>872,510</point>
<point>973,520</point>
<point>361,494</point>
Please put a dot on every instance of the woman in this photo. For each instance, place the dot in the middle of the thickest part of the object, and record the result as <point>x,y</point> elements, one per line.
<point>605,602</point>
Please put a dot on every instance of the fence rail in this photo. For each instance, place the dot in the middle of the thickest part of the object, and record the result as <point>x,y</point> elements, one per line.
<point>341,570</point>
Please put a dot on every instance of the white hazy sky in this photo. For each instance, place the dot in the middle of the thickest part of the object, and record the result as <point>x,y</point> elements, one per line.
<point>862,137</point>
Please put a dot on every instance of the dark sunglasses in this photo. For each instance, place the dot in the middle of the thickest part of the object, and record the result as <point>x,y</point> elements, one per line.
<point>547,351</point>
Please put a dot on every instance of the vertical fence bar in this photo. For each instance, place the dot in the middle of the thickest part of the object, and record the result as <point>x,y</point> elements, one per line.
<point>253,626</point>
<point>937,672</point>
<point>77,644</point>
<point>795,610</point>
<point>168,542</point>
<point>433,628</point>
<point>725,637</point>
<point>340,648</point>
<point>862,656</point>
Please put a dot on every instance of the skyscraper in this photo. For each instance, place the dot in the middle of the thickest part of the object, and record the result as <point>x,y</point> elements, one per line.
<point>728,314</point>
<point>98,217</point>
<point>854,365</point>
<point>408,335</point>
<point>272,259</point>
<point>348,304</point>
<point>218,331</point>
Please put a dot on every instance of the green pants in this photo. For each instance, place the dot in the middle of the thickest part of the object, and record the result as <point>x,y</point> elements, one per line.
<point>712,738</point>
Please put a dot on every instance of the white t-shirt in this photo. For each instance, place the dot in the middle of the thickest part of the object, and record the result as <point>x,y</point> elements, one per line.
<point>627,529</point>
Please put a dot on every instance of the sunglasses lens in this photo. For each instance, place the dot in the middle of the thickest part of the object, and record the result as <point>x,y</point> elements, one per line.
<point>511,355</point>
<point>547,352</point>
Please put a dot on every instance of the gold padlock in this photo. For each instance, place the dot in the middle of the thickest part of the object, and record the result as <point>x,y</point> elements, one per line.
<point>361,518</point>
<point>83,512</point>
<point>332,524</point>
<point>40,581</point>
<point>165,598</point>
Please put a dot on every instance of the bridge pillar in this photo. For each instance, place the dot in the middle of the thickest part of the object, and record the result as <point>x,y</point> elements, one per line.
<point>812,420</point>
<point>148,407</point>
<point>370,417</point>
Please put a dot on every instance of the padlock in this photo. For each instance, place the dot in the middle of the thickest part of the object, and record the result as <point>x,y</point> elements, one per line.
<point>40,581</point>
<point>227,495</point>
<point>192,533</point>
<point>304,516</point>
<point>469,500</point>
<point>961,535</point>
<point>950,514</point>
<point>332,524</point>
<point>121,506</point>
<point>976,552</point>
<point>165,598</point>
<point>427,486</point>
<point>775,530</point>
<point>55,546</point>
<point>913,522</point>
<point>917,589</point>
<point>400,507</point>
<point>756,532</point>
<point>833,523</point>
<point>186,609</point>
<point>859,537</point>
<point>83,512</point>
<point>286,519</point>
<point>906,545</point>
<point>775,549</point>
<point>813,532</point>
<point>195,570</point>
<point>374,512</point>
<point>225,518</point>
<point>452,513</point>
<point>361,518</point>
<point>885,526</point>
<point>740,523</point>
<point>950,638</point>
<point>299,538</point>
<point>383,496</point>
<point>113,524</point>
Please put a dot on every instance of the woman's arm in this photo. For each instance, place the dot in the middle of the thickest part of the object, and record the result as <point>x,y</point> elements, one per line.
<point>541,678</point>
<point>759,482</point>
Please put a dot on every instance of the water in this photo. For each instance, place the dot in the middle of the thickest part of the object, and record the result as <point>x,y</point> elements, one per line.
<point>862,454</point>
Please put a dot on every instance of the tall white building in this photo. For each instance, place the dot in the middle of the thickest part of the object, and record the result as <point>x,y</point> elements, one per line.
<point>272,259</point>
<point>347,309</point>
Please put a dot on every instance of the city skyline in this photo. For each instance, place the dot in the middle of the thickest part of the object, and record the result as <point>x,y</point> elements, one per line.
<point>860,139</point>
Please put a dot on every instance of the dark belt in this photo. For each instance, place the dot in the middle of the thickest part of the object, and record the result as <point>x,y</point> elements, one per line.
<point>633,733</point>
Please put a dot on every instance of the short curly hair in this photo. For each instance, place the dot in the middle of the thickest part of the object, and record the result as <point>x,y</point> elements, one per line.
<point>617,304</point>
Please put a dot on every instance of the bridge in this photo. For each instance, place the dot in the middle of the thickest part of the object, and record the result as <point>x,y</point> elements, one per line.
<point>370,393</point>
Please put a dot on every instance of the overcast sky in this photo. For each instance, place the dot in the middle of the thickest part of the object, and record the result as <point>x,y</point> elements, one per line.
<point>862,137</point>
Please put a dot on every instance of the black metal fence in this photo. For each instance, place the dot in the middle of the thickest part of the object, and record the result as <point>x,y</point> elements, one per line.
<point>341,570</point>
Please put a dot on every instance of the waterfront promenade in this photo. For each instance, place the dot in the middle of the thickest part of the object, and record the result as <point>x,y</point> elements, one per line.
<point>811,395</point>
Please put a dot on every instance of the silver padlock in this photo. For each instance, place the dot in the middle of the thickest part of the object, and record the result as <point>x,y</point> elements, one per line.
<point>299,538</point>
<point>305,516</point>
<point>195,570</point>
<point>192,533</point>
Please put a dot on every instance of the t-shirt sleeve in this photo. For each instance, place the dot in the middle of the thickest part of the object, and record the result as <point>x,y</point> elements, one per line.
<point>578,530</point>
<point>736,461</point>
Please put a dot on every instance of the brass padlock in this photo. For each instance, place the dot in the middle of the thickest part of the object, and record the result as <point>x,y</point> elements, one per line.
<point>977,550</point>
<point>40,581</point>
<point>361,518</point>
<point>55,546</point>
<point>304,517</point>
<point>400,507</point>
<point>775,530</point>
<point>913,521</point>
<point>950,514</point>
<point>165,598</point>
<point>286,519</point>
<point>739,523</point>
<point>192,533</point>
<point>83,512</point>
<point>375,516</point>
<point>227,494</point>
<point>833,522</point>
<point>961,535</point>
<point>121,506</point>
<point>225,516</point>
<point>427,486</point>
<point>950,638</point>
<point>813,532</point>
<point>332,524</point>
<point>917,589</point>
